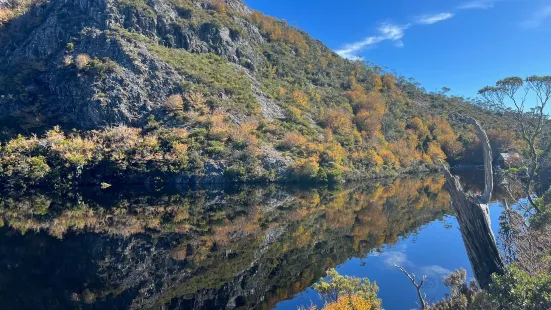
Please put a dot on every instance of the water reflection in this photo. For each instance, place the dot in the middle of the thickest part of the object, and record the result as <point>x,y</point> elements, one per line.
<point>249,247</point>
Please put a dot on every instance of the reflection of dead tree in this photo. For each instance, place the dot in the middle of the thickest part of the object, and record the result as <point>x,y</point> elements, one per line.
<point>523,244</point>
<point>418,285</point>
<point>473,216</point>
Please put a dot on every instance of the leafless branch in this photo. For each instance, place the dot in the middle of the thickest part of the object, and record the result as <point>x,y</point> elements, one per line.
<point>418,286</point>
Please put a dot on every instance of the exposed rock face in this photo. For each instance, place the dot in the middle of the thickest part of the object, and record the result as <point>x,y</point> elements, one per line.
<point>41,48</point>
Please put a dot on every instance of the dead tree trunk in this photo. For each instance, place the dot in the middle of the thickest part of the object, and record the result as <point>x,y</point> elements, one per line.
<point>473,216</point>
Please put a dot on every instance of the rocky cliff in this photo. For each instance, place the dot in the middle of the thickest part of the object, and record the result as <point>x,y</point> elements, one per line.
<point>44,81</point>
<point>203,90</point>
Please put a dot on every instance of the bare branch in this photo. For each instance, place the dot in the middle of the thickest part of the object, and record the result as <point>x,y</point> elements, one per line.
<point>418,286</point>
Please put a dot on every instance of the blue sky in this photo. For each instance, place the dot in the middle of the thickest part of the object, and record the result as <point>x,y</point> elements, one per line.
<point>463,45</point>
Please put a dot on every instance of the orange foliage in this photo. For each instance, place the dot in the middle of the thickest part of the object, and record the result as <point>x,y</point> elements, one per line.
<point>406,150</point>
<point>294,140</point>
<point>446,136</point>
<point>339,121</point>
<point>174,103</point>
<point>419,127</point>
<point>370,107</point>
<point>277,31</point>
<point>389,82</point>
<point>219,129</point>
<point>5,15</point>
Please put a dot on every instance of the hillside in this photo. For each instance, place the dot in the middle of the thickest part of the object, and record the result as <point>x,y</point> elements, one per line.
<point>205,91</point>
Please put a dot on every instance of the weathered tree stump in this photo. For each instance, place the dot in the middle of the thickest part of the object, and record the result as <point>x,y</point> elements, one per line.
<point>473,216</point>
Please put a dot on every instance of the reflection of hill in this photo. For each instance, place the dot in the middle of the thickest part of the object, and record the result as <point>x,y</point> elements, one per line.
<point>202,249</point>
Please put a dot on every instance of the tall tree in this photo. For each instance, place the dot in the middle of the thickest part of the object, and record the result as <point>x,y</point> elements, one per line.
<point>527,101</point>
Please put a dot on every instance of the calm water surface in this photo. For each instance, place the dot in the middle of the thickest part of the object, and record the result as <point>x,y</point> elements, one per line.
<point>246,248</point>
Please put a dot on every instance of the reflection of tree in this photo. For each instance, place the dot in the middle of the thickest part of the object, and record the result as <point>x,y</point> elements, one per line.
<point>209,248</point>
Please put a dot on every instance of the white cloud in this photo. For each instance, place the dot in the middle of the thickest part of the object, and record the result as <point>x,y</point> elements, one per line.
<point>387,32</point>
<point>432,19</point>
<point>538,18</point>
<point>477,4</point>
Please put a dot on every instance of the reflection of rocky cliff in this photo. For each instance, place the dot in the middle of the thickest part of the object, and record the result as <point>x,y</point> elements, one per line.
<point>199,250</point>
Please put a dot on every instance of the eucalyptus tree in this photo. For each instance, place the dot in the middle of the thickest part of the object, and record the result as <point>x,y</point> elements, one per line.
<point>527,100</point>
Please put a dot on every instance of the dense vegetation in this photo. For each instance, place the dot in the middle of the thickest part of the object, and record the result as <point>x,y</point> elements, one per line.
<point>524,235</point>
<point>295,112</point>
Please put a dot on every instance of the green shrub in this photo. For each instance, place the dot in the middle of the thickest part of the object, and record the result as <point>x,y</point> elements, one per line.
<point>215,147</point>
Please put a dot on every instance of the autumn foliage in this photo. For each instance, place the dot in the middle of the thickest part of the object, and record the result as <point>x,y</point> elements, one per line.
<point>279,31</point>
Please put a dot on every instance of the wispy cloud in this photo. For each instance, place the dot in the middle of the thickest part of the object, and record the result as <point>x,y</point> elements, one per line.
<point>477,4</point>
<point>433,19</point>
<point>386,32</point>
<point>538,18</point>
<point>395,33</point>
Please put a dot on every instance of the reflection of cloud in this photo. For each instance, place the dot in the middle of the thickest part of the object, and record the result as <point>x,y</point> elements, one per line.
<point>435,270</point>
<point>395,255</point>
<point>394,258</point>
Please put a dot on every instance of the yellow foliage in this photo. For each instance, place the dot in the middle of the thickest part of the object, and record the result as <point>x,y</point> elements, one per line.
<point>307,167</point>
<point>76,150</point>
<point>375,82</point>
<point>219,130</point>
<point>388,157</point>
<point>446,136</point>
<point>406,151</point>
<point>339,121</point>
<point>180,151</point>
<point>295,112</point>
<point>435,151</point>
<point>419,127</point>
<point>220,7</point>
<point>197,102</point>
<point>350,302</point>
<point>300,98</point>
<point>374,159</point>
<point>334,152</point>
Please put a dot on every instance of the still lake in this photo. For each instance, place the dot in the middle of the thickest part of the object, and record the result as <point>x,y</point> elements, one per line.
<point>245,247</point>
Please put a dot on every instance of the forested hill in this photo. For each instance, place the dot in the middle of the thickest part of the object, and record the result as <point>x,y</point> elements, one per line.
<point>207,91</point>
